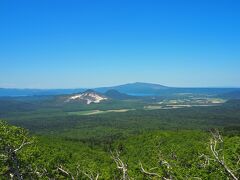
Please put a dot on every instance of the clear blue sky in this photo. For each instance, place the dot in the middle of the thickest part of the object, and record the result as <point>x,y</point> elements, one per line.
<point>89,43</point>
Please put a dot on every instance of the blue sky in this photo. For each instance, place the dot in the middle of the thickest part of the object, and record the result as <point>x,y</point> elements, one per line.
<point>90,43</point>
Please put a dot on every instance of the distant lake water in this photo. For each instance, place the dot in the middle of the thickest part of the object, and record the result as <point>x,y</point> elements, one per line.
<point>141,94</point>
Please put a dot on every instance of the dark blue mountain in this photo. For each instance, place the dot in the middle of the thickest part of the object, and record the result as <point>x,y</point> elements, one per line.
<point>114,94</point>
<point>138,89</point>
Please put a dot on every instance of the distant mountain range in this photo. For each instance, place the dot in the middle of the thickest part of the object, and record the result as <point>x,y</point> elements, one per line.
<point>136,89</point>
<point>131,88</point>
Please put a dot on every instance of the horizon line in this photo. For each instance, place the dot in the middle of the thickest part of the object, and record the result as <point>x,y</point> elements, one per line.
<point>107,86</point>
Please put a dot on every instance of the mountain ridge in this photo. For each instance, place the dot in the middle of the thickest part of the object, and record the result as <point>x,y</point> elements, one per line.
<point>36,92</point>
<point>135,89</point>
<point>114,94</point>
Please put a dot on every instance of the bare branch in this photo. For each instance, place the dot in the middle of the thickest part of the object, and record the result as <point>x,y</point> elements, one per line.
<point>207,160</point>
<point>22,145</point>
<point>88,174</point>
<point>66,172</point>
<point>120,165</point>
<point>91,176</point>
<point>214,142</point>
<point>63,171</point>
<point>148,173</point>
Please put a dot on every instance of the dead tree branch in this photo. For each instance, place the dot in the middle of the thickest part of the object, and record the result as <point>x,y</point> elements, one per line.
<point>207,160</point>
<point>11,157</point>
<point>215,142</point>
<point>24,143</point>
<point>65,172</point>
<point>14,168</point>
<point>147,172</point>
<point>120,165</point>
<point>91,176</point>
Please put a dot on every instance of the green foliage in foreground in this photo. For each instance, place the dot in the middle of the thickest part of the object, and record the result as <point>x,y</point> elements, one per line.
<point>40,158</point>
<point>169,154</point>
<point>185,152</point>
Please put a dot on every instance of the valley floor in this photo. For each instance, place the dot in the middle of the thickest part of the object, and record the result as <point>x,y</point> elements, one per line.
<point>173,143</point>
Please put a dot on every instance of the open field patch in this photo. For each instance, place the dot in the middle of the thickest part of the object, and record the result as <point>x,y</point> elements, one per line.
<point>93,112</point>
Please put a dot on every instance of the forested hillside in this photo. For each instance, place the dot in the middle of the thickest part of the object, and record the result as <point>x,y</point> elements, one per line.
<point>155,155</point>
<point>72,142</point>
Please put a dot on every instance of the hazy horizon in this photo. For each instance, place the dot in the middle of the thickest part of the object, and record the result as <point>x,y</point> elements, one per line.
<point>112,85</point>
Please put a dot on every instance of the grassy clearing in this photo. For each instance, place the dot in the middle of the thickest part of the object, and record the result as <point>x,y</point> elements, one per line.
<point>185,103</point>
<point>93,112</point>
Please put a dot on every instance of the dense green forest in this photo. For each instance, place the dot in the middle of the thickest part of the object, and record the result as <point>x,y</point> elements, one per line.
<point>42,140</point>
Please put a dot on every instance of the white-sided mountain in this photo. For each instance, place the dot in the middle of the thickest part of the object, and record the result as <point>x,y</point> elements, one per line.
<point>87,97</point>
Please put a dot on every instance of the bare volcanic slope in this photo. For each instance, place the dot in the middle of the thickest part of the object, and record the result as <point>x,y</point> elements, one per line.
<point>87,97</point>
